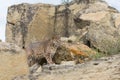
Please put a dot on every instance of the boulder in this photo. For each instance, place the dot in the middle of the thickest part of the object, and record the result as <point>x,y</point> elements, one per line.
<point>10,48</point>
<point>62,54</point>
<point>77,52</point>
<point>13,61</point>
<point>18,18</point>
<point>68,63</point>
<point>33,19</point>
<point>103,32</point>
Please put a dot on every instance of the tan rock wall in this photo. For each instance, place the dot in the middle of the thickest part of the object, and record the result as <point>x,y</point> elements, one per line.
<point>37,22</point>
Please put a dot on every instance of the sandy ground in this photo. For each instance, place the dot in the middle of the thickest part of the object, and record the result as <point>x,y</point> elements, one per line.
<point>12,65</point>
<point>107,68</point>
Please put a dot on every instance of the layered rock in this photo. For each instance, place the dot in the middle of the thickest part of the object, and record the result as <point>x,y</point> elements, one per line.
<point>91,21</point>
<point>17,22</point>
<point>103,31</point>
<point>34,22</point>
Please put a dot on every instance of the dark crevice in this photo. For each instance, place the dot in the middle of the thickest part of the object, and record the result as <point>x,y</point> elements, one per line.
<point>55,20</point>
<point>13,30</point>
<point>11,23</point>
<point>14,33</point>
<point>27,15</point>
<point>67,11</point>
<point>88,43</point>
<point>42,61</point>
<point>81,23</point>
<point>65,14</point>
<point>23,29</point>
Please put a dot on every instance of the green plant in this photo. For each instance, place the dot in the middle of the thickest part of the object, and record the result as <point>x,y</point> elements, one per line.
<point>98,55</point>
<point>111,47</point>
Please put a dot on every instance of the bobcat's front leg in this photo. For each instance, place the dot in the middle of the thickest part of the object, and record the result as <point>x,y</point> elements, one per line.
<point>49,58</point>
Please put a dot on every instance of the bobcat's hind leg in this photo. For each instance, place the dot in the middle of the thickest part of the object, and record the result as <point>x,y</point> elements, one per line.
<point>31,61</point>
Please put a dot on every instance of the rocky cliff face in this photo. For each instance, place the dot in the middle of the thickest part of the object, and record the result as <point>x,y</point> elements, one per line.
<point>18,19</point>
<point>91,21</point>
<point>34,22</point>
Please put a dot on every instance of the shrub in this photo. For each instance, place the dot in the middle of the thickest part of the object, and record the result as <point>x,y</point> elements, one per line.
<point>65,1</point>
<point>111,47</point>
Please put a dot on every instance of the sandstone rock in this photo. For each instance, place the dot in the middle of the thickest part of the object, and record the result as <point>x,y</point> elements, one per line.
<point>68,63</point>
<point>96,7</point>
<point>34,19</point>
<point>12,65</point>
<point>85,19</point>
<point>72,52</point>
<point>10,48</point>
<point>41,24</point>
<point>35,68</point>
<point>23,77</point>
<point>72,38</point>
<point>102,32</point>
<point>62,54</point>
<point>26,21</point>
<point>18,18</point>
<point>94,16</point>
<point>91,21</point>
<point>39,70</point>
<point>50,21</point>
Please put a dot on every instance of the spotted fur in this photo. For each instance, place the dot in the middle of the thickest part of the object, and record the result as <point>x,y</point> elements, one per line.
<point>39,50</point>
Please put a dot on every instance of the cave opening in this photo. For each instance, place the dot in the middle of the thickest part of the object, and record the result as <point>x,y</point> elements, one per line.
<point>42,61</point>
<point>88,43</point>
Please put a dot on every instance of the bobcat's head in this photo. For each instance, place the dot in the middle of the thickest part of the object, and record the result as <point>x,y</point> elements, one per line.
<point>55,43</point>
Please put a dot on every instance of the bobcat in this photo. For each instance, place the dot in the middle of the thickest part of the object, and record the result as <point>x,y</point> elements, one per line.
<point>42,50</point>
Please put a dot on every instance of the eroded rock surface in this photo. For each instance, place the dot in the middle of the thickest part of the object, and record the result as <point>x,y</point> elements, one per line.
<point>10,48</point>
<point>90,22</point>
<point>84,19</point>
